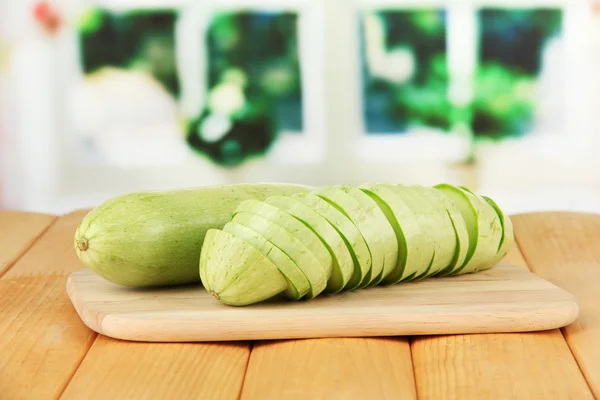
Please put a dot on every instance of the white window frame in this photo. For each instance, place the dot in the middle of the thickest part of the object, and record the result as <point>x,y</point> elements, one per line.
<point>445,147</point>
<point>462,26</point>
<point>305,147</point>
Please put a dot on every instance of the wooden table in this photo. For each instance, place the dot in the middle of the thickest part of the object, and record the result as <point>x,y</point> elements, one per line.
<point>46,352</point>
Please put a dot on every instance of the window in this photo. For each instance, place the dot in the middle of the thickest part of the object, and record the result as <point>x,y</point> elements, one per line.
<point>413,82</point>
<point>437,80</point>
<point>135,40</point>
<point>172,93</point>
<point>123,107</point>
<point>519,84</point>
<point>405,71</point>
<point>254,85</point>
<point>220,83</point>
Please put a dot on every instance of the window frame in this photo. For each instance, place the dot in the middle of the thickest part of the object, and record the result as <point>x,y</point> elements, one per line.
<point>462,27</point>
<point>306,147</point>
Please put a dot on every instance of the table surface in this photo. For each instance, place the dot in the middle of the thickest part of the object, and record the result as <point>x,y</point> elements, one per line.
<point>48,353</point>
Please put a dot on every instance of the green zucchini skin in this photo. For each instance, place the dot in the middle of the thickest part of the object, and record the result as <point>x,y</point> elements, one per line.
<point>149,239</point>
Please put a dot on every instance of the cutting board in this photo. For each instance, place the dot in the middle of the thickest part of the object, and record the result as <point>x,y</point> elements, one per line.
<point>505,298</point>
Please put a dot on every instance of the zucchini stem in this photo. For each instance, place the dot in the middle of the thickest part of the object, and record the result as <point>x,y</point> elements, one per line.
<point>82,244</point>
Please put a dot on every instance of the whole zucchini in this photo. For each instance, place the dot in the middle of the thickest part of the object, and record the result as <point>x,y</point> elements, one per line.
<point>155,238</point>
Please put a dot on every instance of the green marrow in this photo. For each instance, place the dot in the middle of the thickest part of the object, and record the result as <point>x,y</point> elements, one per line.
<point>155,238</point>
<point>373,225</point>
<point>248,243</point>
<point>426,244</point>
<point>342,263</point>
<point>483,226</point>
<point>302,256</point>
<point>298,284</point>
<point>236,273</point>
<point>443,233</point>
<point>408,232</point>
<point>460,231</point>
<point>292,226</point>
<point>354,240</point>
<point>508,237</point>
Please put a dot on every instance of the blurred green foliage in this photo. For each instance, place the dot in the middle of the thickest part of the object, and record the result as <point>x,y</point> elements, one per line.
<point>256,53</point>
<point>254,82</point>
<point>511,42</point>
<point>253,78</point>
<point>421,100</point>
<point>136,39</point>
<point>511,47</point>
<point>259,49</point>
<point>425,103</point>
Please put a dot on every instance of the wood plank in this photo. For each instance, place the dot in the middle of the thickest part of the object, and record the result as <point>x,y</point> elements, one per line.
<point>53,252</point>
<point>18,232</point>
<point>116,369</point>
<point>515,257</point>
<point>563,248</point>
<point>352,368</point>
<point>497,366</point>
<point>42,339</point>
<point>493,366</point>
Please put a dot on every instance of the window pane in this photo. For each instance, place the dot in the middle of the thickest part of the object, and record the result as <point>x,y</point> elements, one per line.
<point>519,81</point>
<point>140,40</point>
<point>124,110</point>
<point>404,70</point>
<point>260,49</point>
<point>254,85</point>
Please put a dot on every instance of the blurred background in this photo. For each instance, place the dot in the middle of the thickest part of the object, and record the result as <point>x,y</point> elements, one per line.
<point>99,98</point>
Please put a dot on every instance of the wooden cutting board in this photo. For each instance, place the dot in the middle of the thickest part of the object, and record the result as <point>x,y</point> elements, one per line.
<point>505,298</point>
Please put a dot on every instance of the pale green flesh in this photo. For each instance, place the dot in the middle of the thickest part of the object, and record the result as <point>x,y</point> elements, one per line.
<point>211,238</point>
<point>347,230</point>
<point>459,198</point>
<point>423,241</point>
<point>407,231</point>
<point>507,240</point>
<point>298,284</point>
<point>294,248</point>
<point>466,189</point>
<point>482,224</point>
<point>443,232</point>
<point>154,238</point>
<point>342,263</point>
<point>368,277</point>
<point>236,272</point>
<point>372,223</point>
<point>460,231</point>
<point>423,276</point>
<point>296,228</point>
<point>490,234</point>
<point>383,231</point>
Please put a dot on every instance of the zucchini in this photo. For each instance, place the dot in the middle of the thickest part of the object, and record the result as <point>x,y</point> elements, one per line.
<point>386,233</point>
<point>370,220</point>
<point>349,233</point>
<point>245,275</point>
<point>155,238</point>
<point>342,265</point>
<point>303,258</point>
<point>248,243</point>
<point>483,226</point>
